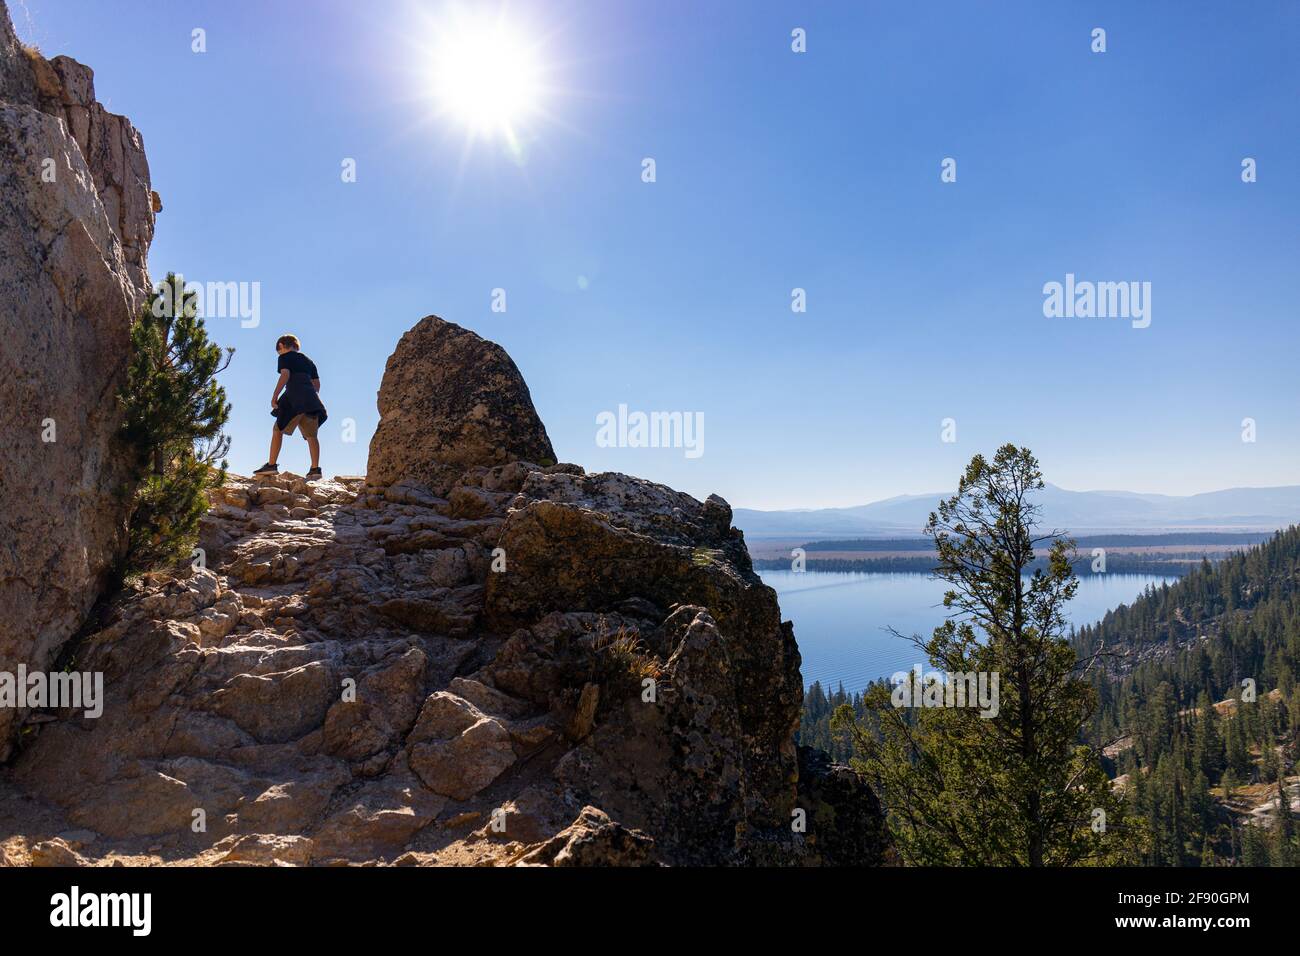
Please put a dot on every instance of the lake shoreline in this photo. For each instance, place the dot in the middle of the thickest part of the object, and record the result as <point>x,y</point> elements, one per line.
<point>842,618</point>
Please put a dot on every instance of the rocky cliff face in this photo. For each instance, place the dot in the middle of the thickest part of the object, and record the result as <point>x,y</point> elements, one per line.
<point>523,664</point>
<point>76,219</point>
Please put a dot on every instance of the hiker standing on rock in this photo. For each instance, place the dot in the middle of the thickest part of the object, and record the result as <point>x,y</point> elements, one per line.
<point>299,407</point>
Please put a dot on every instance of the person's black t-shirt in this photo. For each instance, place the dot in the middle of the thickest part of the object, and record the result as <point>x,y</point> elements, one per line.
<point>299,394</point>
<point>296,362</point>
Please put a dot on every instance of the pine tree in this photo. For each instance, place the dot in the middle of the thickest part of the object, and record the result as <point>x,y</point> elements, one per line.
<point>1209,742</point>
<point>1166,817</point>
<point>1293,718</point>
<point>1238,756</point>
<point>1254,846</point>
<point>1207,852</point>
<point>1229,784</point>
<point>1016,788</point>
<point>1269,765</point>
<point>173,415</point>
<point>1284,847</point>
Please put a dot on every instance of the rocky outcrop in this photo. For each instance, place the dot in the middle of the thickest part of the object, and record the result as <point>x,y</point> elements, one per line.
<point>839,803</point>
<point>450,400</point>
<point>523,665</point>
<point>76,219</point>
<point>592,840</point>
<point>672,576</point>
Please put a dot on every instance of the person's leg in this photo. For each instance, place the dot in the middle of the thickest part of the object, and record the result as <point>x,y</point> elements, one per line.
<point>309,426</point>
<point>277,439</point>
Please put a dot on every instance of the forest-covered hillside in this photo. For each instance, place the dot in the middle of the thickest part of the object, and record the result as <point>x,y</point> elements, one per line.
<point>1198,709</point>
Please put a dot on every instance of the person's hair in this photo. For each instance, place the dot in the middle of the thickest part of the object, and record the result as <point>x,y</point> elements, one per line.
<point>289,342</point>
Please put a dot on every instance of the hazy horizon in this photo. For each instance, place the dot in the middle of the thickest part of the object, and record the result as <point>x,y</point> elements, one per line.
<point>1050,484</point>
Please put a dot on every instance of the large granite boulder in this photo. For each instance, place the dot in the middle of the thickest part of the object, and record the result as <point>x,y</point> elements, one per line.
<point>75,225</point>
<point>450,400</point>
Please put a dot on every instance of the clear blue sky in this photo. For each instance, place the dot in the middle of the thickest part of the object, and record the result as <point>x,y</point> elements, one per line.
<point>775,170</point>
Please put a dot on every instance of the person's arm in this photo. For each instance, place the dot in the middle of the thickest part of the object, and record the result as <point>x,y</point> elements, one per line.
<point>316,384</point>
<point>279,387</point>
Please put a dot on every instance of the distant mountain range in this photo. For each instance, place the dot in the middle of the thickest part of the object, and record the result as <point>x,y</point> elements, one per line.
<point>1237,509</point>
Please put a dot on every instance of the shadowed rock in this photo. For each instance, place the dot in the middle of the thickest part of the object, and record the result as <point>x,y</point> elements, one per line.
<point>76,220</point>
<point>596,542</point>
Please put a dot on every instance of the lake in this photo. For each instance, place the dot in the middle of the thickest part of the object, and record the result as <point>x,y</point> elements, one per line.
<point>840,617</point>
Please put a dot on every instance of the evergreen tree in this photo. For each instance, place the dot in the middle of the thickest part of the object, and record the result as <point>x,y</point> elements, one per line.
<point>1209,742</point>
<point>1229,783</point>
<point>1293,718</point>
<point>1285,852</point>
<point>1207,852</point>
<point>173,415</point>
<point>1238,756</point>
<point>1017,788</point>
<point>1254,846</point>
<point>1269,765</point>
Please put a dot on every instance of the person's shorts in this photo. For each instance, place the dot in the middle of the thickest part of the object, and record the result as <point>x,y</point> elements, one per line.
<point>308,424</point>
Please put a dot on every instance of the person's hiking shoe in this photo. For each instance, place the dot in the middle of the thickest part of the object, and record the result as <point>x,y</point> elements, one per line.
<point>268,469</point>
<point>314,475</point>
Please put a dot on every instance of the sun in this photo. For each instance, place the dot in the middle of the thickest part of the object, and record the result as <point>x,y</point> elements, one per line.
<point>485,74</point>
